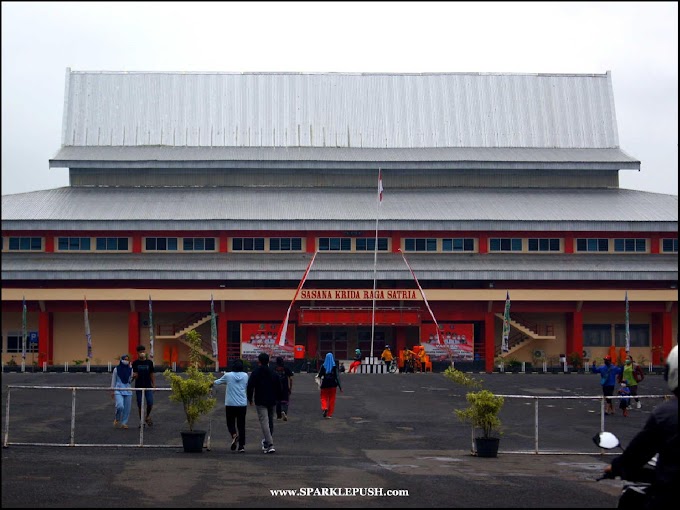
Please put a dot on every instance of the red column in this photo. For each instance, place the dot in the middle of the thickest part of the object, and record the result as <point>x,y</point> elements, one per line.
<point>489,341</point>
<point>396,242</point>
<point>568,244</point>
<point>133,333</point>
<point>575,333</point>
<point>400,341</point>
<point>222,339</point>
<point>666,333</point>
<point>311,244</point>
<point>49,248</point>
<point>136,243</point>
<point>483,244</point>
<point>224,243</point>
<point>44,338</point>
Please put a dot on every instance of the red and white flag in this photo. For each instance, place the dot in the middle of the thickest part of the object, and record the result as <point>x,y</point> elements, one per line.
<point>284,326</point>
<point>380,186</point>
<point>439,334</point>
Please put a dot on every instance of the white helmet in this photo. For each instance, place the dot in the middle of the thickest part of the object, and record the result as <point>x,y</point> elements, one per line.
<point>671,372</point>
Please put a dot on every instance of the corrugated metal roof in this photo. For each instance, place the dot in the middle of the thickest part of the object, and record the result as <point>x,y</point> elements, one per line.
<point>226,156</point>
<point>335,266</point>
<point>288,209</point>
<point>339,110</point>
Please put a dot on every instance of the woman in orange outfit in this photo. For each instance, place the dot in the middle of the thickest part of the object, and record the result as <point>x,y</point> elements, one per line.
<point>330,382</point>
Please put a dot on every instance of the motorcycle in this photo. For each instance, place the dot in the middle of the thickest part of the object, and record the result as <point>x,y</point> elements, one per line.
<point>635,493</point>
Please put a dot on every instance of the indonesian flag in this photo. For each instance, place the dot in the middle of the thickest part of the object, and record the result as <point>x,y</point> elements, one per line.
<point>380,186</point>
<point>439,334</point>
<point>284,326</point>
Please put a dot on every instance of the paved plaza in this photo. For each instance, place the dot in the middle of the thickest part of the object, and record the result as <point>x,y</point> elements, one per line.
<point>390,432</point>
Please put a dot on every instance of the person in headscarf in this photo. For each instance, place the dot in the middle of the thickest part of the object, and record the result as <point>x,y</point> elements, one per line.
<point>122,378</point>
<point>357,361</point>
<point>330,382</point>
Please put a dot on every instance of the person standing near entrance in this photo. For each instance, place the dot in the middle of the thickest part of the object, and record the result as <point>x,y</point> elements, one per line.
<point>143,375</point>
<point>330,382</point>
<point>632,375</point>
<point>285,378</point>
<point>262,384</point>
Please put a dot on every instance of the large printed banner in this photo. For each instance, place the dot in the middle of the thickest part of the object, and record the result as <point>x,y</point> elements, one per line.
<point>459,341</point>
<point>257,338</point>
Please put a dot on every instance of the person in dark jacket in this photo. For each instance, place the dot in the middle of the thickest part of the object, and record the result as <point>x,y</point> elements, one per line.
<point>330,382</point>
<point>659,435</point>
<point>263,383</point>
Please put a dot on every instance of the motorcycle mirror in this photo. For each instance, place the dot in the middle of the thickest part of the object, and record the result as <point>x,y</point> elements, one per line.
<point>606,440</point>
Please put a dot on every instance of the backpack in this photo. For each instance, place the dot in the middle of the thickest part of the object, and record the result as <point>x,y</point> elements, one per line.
<point>638,374</point>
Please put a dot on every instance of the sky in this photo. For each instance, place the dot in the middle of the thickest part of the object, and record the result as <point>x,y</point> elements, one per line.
<point>636,41</point>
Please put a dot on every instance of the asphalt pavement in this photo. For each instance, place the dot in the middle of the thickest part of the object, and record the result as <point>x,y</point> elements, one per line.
<point>391,432</point>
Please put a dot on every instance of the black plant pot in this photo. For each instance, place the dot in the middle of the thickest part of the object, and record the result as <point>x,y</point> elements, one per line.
<point>193,440</point>
<point>487,446</point>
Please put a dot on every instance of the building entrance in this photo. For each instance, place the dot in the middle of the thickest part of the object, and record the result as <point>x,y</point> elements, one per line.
<point>342,341</point>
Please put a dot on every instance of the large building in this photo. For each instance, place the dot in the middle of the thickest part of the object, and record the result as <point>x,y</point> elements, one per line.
<point>191,186</point>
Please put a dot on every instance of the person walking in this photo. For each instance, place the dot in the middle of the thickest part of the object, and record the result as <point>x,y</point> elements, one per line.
<point>143,375</point>
<point>120,380</point>
<point>632,375</point>
<point>285,388</point>
<point>608,375</point>
<point>262,384</point>
<point>330,382</point>
<point>235,403</point>
<point>357,361</point>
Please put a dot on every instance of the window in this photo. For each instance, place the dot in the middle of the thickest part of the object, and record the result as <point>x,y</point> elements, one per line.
<point>285,244</point>
<point>544,245</point>
<point>368,244</point>
<point>73,244</point>
<point>639,335</point>
<point>112,244</point>
<point>335,243</point>
<point>458,244</point>
<point>14,341</point>
<point>25,243</point>
<point>592,245</point>
<point>161,243</point>
<point>597,335</point>
<point>420,244</point>
<point>669,245</point>
<point>634,245</point>
<point>247,244</point>
<point>505,244</point>
<point>198,244</point>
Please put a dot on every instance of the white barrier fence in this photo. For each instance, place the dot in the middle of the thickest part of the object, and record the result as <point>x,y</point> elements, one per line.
<point>72,440</point>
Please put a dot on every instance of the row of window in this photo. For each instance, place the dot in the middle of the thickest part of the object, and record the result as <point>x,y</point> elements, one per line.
<point>600,335</point>
<point>496,244</point>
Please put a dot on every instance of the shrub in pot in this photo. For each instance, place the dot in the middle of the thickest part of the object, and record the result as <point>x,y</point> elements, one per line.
<point>482,412</point>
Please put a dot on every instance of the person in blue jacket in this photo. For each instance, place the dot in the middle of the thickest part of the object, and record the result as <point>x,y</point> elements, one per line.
<point>608,375</point>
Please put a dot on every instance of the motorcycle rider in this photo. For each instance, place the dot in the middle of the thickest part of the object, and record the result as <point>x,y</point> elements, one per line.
<point>659,435</point>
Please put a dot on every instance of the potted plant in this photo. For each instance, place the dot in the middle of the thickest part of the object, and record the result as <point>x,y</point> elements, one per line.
<point>193,391</point>
<point>576,361</point>
<point>483,413</point>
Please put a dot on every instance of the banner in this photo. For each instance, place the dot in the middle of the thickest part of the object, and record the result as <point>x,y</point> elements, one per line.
<point>459,341</point>
<point>151,333</point>
<point>506,324</point>
<point>88,336</point>
<point>627,326</point>
<point>213,327</point>
<point>257,338</point>
<point>23,330</point>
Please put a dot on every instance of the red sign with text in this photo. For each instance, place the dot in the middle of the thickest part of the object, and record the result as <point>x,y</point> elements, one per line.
<point>261,337</point>
<point>459,343</point>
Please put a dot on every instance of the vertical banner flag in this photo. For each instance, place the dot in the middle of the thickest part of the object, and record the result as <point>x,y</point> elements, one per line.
<point>380,186</point>
<point>23,330</point>
<point>88,336</point>
<point>627,325</point>
<point>213,327</point>
<point>506,324</point>
<point>284,325</point>
<point>151,334</point>
<point>439,333</point>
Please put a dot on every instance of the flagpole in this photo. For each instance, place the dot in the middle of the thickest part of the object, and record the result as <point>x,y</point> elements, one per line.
<point>375,257</point>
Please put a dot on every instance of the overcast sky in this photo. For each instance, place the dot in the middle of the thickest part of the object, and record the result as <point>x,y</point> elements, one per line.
<point>637,42</point>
